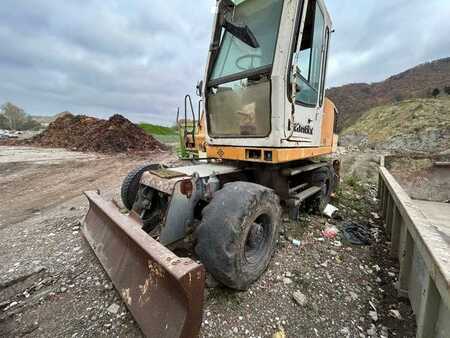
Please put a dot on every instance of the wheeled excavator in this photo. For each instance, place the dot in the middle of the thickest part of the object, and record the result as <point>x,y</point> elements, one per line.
<point>266,129</point>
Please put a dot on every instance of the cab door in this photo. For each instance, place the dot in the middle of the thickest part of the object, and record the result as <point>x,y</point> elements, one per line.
<point>308,63</point>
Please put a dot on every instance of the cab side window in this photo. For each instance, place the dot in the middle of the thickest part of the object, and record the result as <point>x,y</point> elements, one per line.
<point>310,56</point>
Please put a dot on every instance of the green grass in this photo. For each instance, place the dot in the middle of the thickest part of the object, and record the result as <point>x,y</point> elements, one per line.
<point>350,196</point>
<point>157,130</point>
<point>166,135</point>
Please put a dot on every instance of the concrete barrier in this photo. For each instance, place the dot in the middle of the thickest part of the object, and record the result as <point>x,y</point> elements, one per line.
<point>420,236</point>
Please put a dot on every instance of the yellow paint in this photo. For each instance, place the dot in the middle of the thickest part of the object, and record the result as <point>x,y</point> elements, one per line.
<point>200,138</point>
<point>327,129</point>
<point>328,144</point>
<point>279,155</point>
<point>335,142</point>
<point>126,296</point>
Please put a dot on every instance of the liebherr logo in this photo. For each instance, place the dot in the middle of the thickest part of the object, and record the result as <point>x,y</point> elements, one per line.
<point>298,128</point>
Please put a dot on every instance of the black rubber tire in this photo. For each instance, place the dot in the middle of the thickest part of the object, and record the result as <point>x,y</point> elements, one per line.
<point>130,185</point>
<point>223,243</point>
<point>323,177</point>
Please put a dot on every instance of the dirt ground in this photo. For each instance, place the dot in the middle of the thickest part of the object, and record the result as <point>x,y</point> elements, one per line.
<point>51,284</point>
<point>421,178</point>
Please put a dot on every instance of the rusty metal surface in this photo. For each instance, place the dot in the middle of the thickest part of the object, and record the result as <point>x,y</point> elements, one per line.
<point>163,291</point>
<point>167,173</point>
<point>180,214</point>
<point>161,184</point>
<point>166,185</point>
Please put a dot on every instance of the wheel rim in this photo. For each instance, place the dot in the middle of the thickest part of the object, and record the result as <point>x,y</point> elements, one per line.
<point>258,241</point>
<point>323,200</point>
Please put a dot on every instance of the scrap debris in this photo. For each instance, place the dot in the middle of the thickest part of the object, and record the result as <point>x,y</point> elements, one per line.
<point>330,210</point>
<point>356,234</point>
<point>395,314</point>
<point>330,232</point>
<point>300,298</point>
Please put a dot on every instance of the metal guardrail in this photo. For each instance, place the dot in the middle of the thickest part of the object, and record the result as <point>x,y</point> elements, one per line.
<point>419,233</point>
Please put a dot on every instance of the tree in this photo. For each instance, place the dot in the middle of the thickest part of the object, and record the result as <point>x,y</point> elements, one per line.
<point>29,124</point>
<point>447,90</point>
<point>4,122</point>
<point>435,92</point>
<point>15,115</point>
<point>398,97</point>
<point>15,118</point>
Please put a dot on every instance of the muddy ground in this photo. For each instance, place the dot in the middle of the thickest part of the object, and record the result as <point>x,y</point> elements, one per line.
<point>51,284</point>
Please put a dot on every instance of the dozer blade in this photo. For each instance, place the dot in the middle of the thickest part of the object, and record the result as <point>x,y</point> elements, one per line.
<point>163,292</point>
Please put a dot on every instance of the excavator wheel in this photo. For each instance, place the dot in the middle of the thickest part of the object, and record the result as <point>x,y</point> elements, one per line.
<point>130,185</point>
<point>238,233</point>
<point>324,178</point>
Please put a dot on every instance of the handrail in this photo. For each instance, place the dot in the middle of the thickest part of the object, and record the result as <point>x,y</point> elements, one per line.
<point>199,111</point>
<point>186,99</point>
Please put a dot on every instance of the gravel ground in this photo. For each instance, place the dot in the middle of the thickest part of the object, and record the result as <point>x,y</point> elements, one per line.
<point>324,288</point>
<point>51,284</point>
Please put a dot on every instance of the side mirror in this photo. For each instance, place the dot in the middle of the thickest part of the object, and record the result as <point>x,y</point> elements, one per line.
<point>200,88</point>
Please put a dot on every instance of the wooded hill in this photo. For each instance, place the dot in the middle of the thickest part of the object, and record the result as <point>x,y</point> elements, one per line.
<point>353,100</point>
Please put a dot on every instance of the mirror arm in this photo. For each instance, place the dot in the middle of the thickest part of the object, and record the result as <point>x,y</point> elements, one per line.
<point>295,72</point>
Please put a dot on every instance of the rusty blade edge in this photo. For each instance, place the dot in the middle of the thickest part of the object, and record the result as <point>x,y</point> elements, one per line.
<point>188,275</point>
<point>163,256</point>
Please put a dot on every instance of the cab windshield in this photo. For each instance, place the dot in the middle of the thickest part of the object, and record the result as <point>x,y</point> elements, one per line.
<point>262,17</point>
<point>238,90</point>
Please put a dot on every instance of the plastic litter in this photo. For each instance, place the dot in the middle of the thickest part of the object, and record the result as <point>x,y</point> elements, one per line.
<point>356,234</point>
<point>330,232</point>
<point>330,210</point>
<point>396,314</point>
<point>373,315</point>
<point>296,243</point>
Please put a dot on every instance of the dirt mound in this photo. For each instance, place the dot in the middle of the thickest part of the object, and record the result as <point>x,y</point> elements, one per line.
<point>84,133</point>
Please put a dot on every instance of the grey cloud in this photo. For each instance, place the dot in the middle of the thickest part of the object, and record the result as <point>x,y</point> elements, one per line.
<point>375,39</point>
<point>139,58</point>
<point>101,57</point>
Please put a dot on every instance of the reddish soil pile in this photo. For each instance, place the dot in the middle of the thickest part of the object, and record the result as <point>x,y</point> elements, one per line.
<point>84,133</point>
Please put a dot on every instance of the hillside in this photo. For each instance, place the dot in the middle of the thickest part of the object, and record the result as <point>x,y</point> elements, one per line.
<point>415,125</point>
<point>167,135</point>
<point>157,129</point>
<point>353,100</point>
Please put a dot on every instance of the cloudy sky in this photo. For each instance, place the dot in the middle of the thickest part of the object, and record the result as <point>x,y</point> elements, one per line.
<point>139,58</point>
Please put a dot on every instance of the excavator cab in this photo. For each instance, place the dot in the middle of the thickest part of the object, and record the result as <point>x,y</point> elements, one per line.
<point>265,79</point>
<point>263,124</point>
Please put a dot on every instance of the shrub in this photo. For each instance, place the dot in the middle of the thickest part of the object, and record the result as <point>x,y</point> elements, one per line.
<point>435,92</point>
